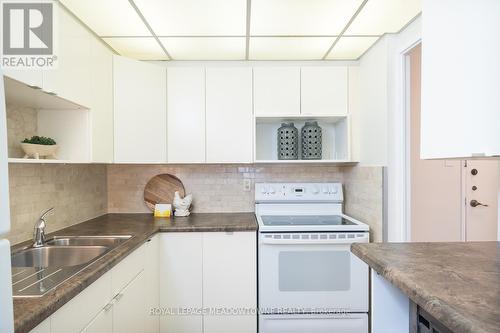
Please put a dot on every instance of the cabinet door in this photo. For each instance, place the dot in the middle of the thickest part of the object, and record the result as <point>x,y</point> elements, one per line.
<point>324,90</point>
<point>72,77</point>
<point>186,114</point>
<point>276,91</point>
<point>229,115</point>
<point>229,280</point>
<point>101,106</point>
<point>460,100</point>
<point>102,323</point>
<point>80,311</point>
<point>140,111</point>
<point>181,281</point>
<point>130,309</point>
<point>152,286</point>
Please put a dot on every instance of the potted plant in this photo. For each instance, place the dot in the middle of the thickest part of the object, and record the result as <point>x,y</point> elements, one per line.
<point>39,147</point>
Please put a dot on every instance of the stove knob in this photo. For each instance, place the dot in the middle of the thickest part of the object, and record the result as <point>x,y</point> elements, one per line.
<point>335,190</point>
<point>272,190</point>
<point>315,190</point>
<point>263,190</point>
<point>325,190</point>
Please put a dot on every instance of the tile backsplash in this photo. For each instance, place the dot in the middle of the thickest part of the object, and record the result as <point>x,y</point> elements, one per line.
<point>78,193</point>
<point>21,123</point>
<point>219,187</point>
<point>82,192</point>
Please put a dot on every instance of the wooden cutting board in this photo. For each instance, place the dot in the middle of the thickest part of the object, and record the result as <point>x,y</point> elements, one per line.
<point>161,189</point>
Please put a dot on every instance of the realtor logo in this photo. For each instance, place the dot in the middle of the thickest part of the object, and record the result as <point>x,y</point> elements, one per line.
<point>28,35</point>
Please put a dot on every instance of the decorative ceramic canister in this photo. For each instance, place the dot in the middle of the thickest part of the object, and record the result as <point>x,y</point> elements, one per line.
<point>311,141</point>
<point>288,142</point>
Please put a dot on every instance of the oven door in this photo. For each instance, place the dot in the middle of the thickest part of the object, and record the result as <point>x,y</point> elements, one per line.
<point>317,274</point>
<point>348,323</point>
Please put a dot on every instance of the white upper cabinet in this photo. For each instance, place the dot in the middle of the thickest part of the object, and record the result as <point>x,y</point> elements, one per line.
<point>72,77</point>
<point>186,114</point>
<point>276,91</point>
<point>229,121</point>
<point>140,112</point>
<point>460,79</point>
<point>101,106</point>
<point>324,90</point>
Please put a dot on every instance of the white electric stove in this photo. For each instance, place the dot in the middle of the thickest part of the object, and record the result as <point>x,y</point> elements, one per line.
<point>308,279</point>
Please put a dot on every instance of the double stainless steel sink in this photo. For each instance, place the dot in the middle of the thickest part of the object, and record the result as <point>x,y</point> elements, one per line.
<point>38,270</point>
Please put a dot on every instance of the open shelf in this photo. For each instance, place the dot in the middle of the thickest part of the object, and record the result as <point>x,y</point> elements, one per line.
<point>30,111</point>
<point>44,161</point>
<point>335,132</point>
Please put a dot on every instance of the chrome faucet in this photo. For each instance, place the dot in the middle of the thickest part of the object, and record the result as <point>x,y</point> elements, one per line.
<point>39,230</point>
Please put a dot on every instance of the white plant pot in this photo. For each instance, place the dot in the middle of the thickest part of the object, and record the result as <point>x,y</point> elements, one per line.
<point>39,151</point>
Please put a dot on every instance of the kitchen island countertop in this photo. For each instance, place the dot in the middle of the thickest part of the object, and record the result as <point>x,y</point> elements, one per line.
<point>456,283</point>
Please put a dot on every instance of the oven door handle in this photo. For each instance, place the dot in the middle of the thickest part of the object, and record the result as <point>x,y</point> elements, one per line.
<point>314,241</point>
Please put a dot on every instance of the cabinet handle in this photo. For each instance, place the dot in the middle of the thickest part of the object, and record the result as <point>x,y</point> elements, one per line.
<point>51,93</point>
<point>34,87</point>
<point>108,306</point>
<point>118,296</point>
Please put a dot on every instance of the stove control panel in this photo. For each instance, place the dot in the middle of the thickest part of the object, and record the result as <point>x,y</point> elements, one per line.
<point>327,192</point>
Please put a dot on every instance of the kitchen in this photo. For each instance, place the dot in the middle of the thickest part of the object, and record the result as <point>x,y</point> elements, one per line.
<point>250,166</point>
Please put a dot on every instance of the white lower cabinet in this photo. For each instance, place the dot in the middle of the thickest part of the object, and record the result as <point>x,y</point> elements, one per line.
<point>102,323</point>
<point>119,301</point>
<point>209,271</point>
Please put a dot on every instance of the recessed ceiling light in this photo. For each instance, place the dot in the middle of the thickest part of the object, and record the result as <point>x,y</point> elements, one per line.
<point>289,48</point>
<point>381,16</point>
<point>205,48</point>
<point>142,48</point>
<point>299,17</point>
<point>195,17</point>
<point>351,47</point>
<point>108,17</point>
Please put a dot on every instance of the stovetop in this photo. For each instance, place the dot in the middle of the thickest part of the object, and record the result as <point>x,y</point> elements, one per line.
<point>301,220</point>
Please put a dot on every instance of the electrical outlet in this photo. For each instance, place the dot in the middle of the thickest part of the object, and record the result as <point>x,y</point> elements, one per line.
<point>247,185</point>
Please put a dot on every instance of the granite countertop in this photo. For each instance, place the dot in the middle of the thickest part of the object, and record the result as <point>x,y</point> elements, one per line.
<point>29,312</point>
<point>456,283</point>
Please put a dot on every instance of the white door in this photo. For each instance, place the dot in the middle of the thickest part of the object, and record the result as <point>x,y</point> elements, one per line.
<point>293,275</point>
<point>130,309</point>
<point>324,90</point>
<point>230,281</point>
<point>345,323</point>
<point>481,200</point>
<point>276,91</point>
<point>186,114</point>
<point>229,115</point>
<point>140,111</point>
<point>102,323</point>
<point>181,268</point>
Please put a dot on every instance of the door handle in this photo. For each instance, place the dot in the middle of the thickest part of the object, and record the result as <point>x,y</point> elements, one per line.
<point>475,203</point>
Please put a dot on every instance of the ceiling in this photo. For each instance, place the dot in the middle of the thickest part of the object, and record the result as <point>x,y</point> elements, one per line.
<point>243,29</point>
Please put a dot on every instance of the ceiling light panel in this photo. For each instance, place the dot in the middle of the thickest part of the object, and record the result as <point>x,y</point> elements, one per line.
<point>301,17</point>
<point>195,17</point>
<point>141,48</point>
<point>289,48</point>
<point>380,16</point>
<point>205,48</point>
<point>108,17</point>
<point>350,48</point>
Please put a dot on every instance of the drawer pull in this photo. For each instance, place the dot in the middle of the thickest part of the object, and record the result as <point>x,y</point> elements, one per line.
<point>118,296</point>
<point>108,306</point>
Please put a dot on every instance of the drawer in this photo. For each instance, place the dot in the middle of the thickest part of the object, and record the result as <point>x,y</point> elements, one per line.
<point>78,312</point>
<point>127,269</point>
